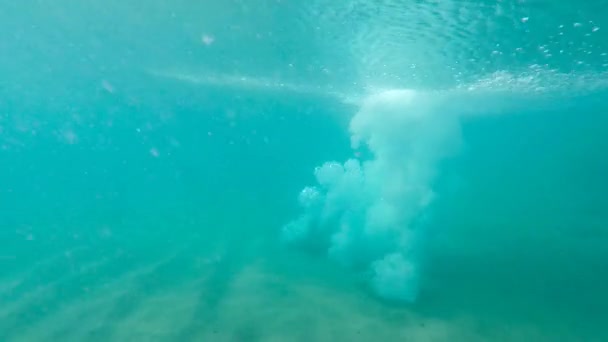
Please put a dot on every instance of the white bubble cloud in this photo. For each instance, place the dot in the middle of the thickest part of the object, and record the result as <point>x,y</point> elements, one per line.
<point>363,212</point>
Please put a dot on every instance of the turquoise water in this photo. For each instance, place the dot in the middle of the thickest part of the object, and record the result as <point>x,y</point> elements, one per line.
<point>303,171</point>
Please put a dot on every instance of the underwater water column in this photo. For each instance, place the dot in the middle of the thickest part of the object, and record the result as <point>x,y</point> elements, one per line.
<point>363,213</point>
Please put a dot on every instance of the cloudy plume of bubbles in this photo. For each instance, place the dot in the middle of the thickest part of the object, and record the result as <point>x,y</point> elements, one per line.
<point>362,213</point>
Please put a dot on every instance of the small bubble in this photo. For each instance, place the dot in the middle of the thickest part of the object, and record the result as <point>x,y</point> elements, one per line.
<point>69,137</point>
<point>105,232</point>
<point>525,19</point>
<point>107,86</point>
<point>207,39</point>
<point>595,29</point>
<point>154,152</point>
<point>577,25</point>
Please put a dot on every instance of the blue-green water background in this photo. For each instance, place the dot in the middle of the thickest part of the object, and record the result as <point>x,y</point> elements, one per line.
<point>136,206</point>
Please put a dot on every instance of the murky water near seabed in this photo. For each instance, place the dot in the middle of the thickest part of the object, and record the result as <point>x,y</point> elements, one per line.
<point>316,171</point>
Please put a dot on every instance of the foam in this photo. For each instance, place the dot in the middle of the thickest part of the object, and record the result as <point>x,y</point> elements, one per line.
<point>255,83</point>
<point>364,211</point>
